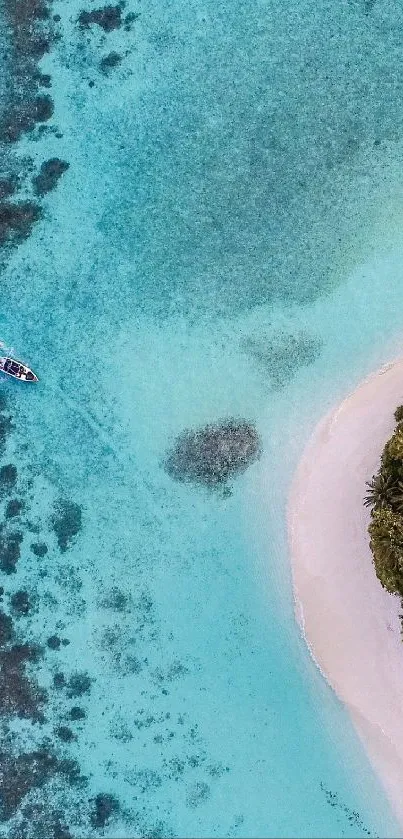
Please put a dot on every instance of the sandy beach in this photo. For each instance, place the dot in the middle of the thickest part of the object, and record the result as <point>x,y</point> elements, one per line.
<point>350,623</point>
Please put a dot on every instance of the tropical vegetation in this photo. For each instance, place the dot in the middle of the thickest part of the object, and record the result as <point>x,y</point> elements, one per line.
<point>385,497</point>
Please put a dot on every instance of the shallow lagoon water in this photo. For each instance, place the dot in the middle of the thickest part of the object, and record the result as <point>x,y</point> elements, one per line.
<point>229,183</point>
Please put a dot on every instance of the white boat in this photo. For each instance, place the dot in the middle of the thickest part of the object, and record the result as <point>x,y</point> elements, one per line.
<point>17,369</point>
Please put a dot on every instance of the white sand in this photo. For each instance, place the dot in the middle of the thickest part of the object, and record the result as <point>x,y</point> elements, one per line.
<point>350,623</point>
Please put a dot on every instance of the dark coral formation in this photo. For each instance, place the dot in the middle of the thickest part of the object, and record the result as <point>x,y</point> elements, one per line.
<point>24,117</point>
<point>67,522</point>
<point>79,683</point>
<point>59,681</point>
<point>20,602</point>
<point>77,713</point>
<point>8,186</point>
<point>30,31</point>
<point>39,549</point>
<point>64,733</point>
<point>13,508</point>
<point>212,455</point>
<point>30,34</point>
<point>104,807</point>
<point>44,79</point>
<point>20,694</point>
<point>17,220</point>
<point>6,628</point>
<point>54,642</point>
<point>49,175</point>
<point>108,18</point>
<point>24,773</point>
<point>8,477</point>
<point>40,821</point>
<point>30,771</point>
<point>110,61</point>
<point>10,549</point>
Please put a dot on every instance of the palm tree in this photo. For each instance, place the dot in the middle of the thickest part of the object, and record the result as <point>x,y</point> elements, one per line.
<point>382,491</point>
<point>397,498</point>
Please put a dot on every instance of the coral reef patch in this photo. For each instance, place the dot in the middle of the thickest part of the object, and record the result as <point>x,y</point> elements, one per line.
<point>20,694</point>
<point>17,220</point>
<point>110,61</point>
<point>213,454</point>
<point>107,17</point>
<point>67,522</point>
<point>10,549</point>
<point>29,771</point>
<point>30,32</point>
<point>49,175</point>
<point>20,603</point>
<point>104,807</point>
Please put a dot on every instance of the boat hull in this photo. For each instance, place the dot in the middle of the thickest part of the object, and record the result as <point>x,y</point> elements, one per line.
<point>17,370</point>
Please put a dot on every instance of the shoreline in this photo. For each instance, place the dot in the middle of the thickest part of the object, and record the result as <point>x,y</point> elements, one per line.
<point>350,623</point>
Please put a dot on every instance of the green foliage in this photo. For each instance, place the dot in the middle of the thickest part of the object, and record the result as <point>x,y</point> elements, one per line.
<point>385,496</point>
<point>386,533</point>
<point>394,448</point>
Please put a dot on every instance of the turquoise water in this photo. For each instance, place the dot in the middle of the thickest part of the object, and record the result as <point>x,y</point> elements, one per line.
<point>235,181</point>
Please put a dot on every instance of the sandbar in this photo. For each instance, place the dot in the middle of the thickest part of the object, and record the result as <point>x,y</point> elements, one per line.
<point>350,623</point>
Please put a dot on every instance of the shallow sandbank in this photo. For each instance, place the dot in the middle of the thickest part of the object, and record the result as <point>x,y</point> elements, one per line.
<point>350,623</point>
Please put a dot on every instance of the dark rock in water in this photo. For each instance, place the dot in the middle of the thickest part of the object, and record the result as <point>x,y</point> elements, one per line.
<point>10,550</point>
<point>42,108</point>
<point>38,46</point>
<point>30,33</point>
<point>129,19</point>
<point>108,18</point>
<point>7,187</point>
<point>20,694</point>
<point>77,713</point>
<point>17,220</point>
<point>105,806</point>
<point>50,172</point>
<point>54,642</point>
<point>20,602</point>
<point>44,79</point>
<point>13,508</point>
<point>79,683</point>
<point>29,771</point>
<point>59,681</point>
<point>65,733</point>
<point>6,628</point>
<point>8,477</point>
<point>23,117</point>
<point>67,523</point>
<point>110,61</point>
<point>39,549</point>
<point>213,454</point>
